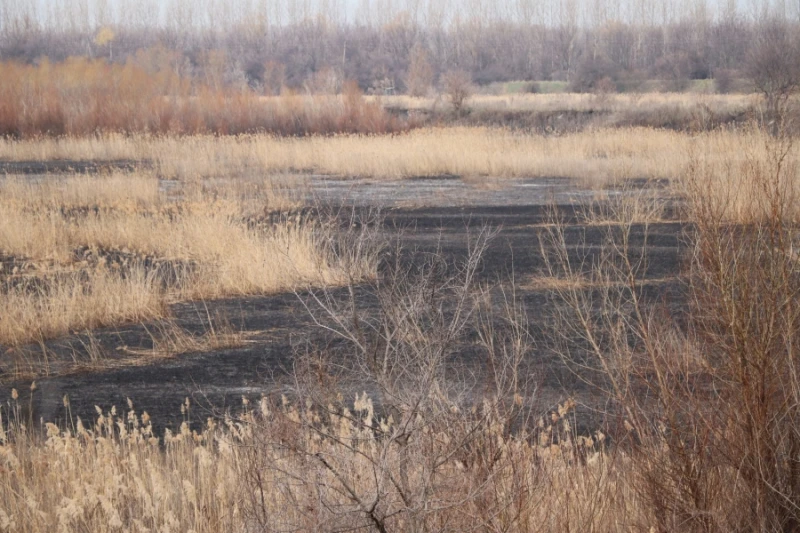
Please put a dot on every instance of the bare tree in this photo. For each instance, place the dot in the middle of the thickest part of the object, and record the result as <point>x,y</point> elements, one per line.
<point>774,66</point>
<point>705,400</point>
<point>420,72</point>
<point>457,84</point>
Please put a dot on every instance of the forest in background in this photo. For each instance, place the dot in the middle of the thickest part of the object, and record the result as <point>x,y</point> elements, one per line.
<point>407,46</point>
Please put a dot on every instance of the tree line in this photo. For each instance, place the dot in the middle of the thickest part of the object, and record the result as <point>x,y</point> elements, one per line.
<point>592,45</point>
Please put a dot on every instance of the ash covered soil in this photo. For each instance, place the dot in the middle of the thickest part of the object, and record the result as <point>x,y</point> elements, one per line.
<point>436,214</point>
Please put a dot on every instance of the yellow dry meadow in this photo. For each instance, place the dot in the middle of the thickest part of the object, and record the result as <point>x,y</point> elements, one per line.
<point>595,157</point>
<point>302,468</point>
<point>213,239</point>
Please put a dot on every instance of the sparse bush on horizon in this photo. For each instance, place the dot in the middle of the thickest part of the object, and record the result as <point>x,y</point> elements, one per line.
<point>457,86</point>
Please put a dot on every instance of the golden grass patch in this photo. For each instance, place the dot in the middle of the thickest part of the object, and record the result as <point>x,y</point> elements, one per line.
<point>605,155</point>
<point>558,284</point>
<point>596,157</point>
<point>240,475</point>
<point>737,178</point>
<point>148,247</point>
<point>82,300</point>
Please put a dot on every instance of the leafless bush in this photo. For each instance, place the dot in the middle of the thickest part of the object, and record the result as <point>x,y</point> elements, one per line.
<point>433,447</point>
<point>704,400</point>
<point>457,84</point>
<point>774,67</point>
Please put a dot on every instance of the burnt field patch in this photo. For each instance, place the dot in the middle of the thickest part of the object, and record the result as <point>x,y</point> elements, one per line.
<point>270,334</point>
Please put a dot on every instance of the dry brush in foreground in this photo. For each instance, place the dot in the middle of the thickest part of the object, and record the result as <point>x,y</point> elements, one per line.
<point>425,458</point>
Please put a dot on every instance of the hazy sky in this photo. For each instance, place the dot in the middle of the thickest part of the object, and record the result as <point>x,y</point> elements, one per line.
<point>83,13</point>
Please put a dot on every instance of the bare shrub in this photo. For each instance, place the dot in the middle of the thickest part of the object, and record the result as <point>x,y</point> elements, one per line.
<point>457,84</point>
<point>435,433</point>
<point>774,66</point>
<point>704,400</point>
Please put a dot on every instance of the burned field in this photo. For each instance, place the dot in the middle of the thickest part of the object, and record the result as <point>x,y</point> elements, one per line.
<point>217,351</point>
<point>399,267</point>
<point>309,349</point>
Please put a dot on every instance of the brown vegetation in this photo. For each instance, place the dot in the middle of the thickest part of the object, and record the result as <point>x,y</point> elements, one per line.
<point>80,97</point>
<point>701,407</point>
<point>147,95</point>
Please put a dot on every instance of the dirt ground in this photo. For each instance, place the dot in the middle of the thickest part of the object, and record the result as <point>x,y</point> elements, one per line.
<point>424,215</point>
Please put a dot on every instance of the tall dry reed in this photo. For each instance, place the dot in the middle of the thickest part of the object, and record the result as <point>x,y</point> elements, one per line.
<point>85,97</point>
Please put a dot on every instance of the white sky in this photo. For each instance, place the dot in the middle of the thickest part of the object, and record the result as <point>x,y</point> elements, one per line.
<point>203,13</point>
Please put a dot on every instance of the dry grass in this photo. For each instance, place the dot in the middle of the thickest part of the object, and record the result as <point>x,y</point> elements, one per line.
<point>203,222</point>
<point>146,246</point>
<point>113,478</point>
<point>740,188</point>
<point>558,284</point>
<point>78,301</point>
<point>170,339</point>
<point>686,462</point>
<point>117,475</point>
<point>147,95</point>
<point>599,156</point>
